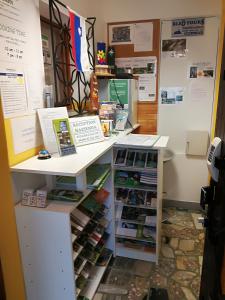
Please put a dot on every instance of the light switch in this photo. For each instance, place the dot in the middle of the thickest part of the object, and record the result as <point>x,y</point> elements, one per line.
<point>197,142</point>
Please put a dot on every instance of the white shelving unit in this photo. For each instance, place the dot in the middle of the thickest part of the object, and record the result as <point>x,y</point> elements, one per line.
<point>130,240</point>
<point>45,235</point>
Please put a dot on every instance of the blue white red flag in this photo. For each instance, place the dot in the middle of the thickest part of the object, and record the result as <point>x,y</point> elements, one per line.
<point>79,41</point>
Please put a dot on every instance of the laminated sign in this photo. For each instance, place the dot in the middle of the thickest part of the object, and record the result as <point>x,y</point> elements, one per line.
<point>188,27</point>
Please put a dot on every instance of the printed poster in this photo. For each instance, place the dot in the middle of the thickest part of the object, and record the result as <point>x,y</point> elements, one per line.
<point>146,69</point>
<point>201,70</point>
<point>143,37</point>
<point>121,34</point>
<point>172,95</point>
<point>174,47</point>
<point>13,93</point>
<point>188,27</point>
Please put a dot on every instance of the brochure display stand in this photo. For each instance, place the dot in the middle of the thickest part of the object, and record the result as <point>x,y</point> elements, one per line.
<point>66,247</point>
<point>138,172</point>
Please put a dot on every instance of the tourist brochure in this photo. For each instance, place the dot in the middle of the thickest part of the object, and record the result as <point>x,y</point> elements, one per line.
<point>64,195</point>
<point>63,137</point>
<point>121,119</point>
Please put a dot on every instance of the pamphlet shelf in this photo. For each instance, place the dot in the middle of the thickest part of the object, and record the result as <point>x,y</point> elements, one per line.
<point>94,280</point>
<point>120,203</point>
<point>136,253</point>
<point>57,240</point>
<point>135,239</point>
<point>135,222</point>
<point>139,188</point>
<point>133,169</point>
<point>138,171</point>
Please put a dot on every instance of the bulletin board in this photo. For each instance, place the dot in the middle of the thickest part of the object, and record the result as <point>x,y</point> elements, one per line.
<point>194,111</point>
<point>21,77</point>
<point>147,110</point>
<point>187,82</point>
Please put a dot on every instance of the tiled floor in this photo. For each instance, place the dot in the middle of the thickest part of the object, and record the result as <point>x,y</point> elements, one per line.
<point>179,266</point>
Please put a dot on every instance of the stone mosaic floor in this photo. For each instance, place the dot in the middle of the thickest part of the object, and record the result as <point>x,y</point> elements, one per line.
<point>179,266</point>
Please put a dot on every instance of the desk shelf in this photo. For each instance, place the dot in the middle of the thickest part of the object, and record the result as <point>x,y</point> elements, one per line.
<point>137,181</point>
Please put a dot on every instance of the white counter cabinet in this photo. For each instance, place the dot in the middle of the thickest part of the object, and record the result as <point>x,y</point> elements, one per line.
<point>45,235</point>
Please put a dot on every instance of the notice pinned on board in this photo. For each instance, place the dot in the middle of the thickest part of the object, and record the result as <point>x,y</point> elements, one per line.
<point>146,69</point>
<point>198,90</point>
<point>172,95</point>
<point>174,48</point>
<point>143,37</point>
<point>201,70</point>
<point>13,93</point>
<point>86,130</point>
<point>188,27</point>
<point>121,34</point>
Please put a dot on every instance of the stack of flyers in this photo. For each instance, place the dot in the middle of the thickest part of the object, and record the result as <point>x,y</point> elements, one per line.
<point>121,119</point>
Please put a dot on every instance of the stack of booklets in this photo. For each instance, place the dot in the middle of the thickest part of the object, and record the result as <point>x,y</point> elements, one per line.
<point>137,231</point>
<point>149,178</point>
<point>75,228</point>
<point>138,215</point>
<point>96,235</point>
<point>152,160</point>
<point>136,158</point>
<point>147,246</point>
<point>76,250</point>
<point>65,195</point>
<point>91,205</point>
<point>97,175</point>
<point>79,217</point>
<point>104,257</point>
<point>136,197</point>
<point>91,254</point>
<point>107,111</point>
<point>135,179</point>
<point>65,183</point>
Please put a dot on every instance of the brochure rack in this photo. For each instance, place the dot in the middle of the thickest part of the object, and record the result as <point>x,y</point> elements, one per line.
<point>52,247</point>
<point>48,242</point>
<point>54,264</point>
<point>138,173</point>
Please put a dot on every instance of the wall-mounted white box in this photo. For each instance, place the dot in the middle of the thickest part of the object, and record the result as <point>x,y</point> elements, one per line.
<point>197,142</point>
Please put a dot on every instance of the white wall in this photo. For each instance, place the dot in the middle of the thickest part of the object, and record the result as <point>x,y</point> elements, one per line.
<point>118,10</point>
<point>185,174</point>
<point>127,10</point>
<point>183,177</point>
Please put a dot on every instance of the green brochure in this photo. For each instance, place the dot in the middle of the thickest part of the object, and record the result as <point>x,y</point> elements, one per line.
<point>63,136</point>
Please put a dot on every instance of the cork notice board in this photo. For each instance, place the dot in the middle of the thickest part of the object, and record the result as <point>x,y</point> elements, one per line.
<point>147,110</point>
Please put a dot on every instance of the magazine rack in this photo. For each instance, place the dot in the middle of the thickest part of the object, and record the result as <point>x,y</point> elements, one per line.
<point>63,63</point>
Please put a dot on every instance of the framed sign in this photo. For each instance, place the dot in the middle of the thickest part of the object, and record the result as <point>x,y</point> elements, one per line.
<point>86,130</point>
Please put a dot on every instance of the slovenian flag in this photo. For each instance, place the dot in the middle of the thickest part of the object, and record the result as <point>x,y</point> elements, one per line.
<point>79,41</point>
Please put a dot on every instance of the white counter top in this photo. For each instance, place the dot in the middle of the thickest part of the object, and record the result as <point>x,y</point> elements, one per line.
<point>71,165</point>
